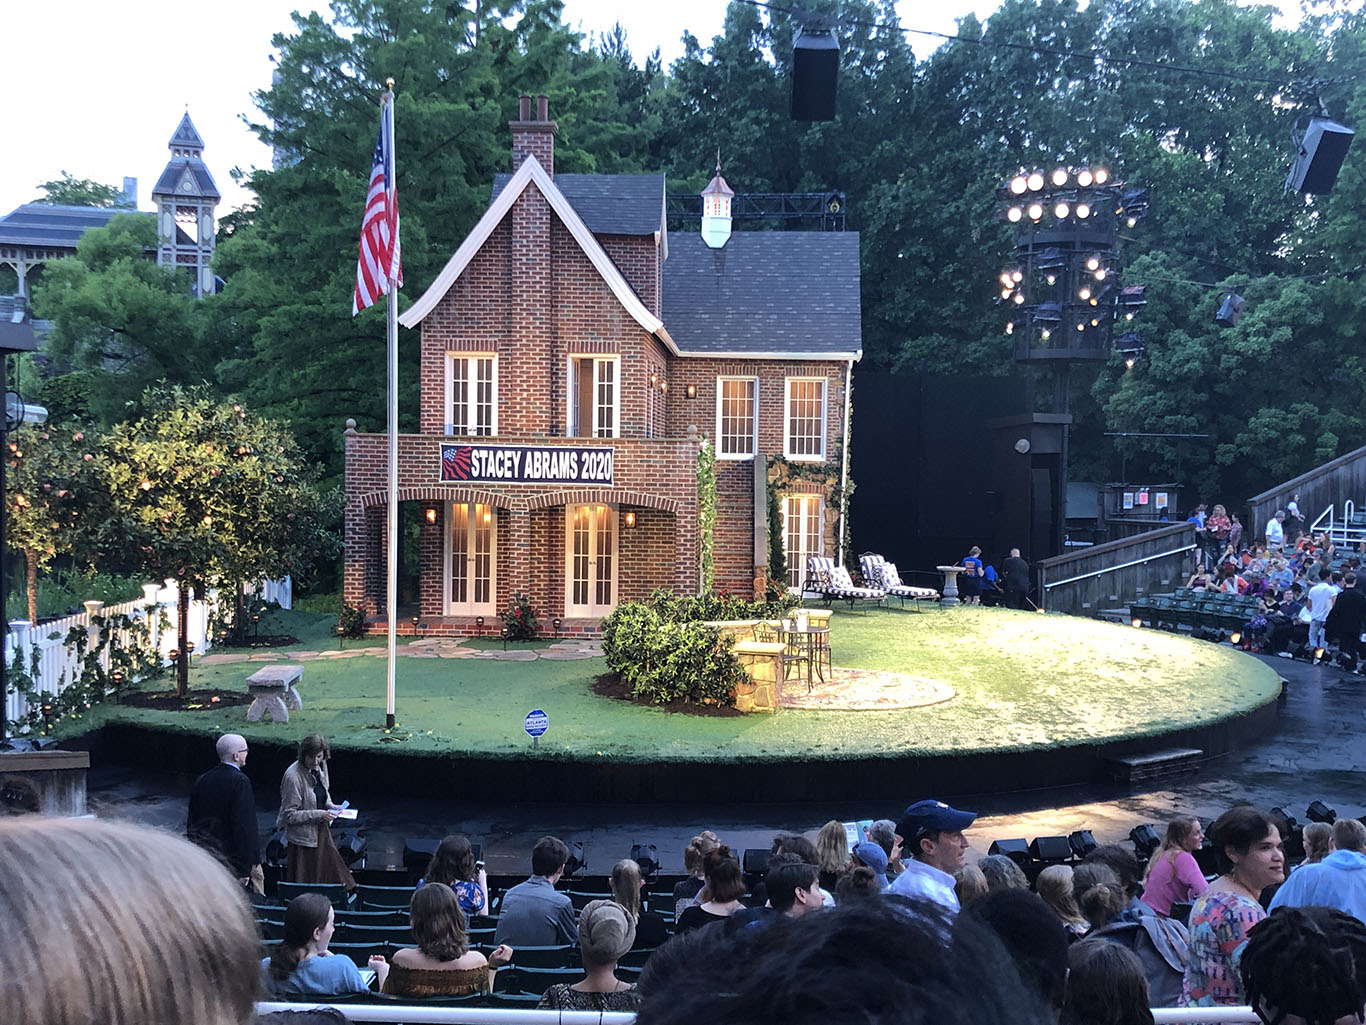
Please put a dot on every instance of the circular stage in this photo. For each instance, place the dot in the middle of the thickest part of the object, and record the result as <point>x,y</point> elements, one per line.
<point>951,701</point>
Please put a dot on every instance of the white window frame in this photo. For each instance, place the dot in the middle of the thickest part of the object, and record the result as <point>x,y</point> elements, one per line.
<point>571,376</point>
<point>721,436</point>
<point>469,607</point>
<point>592,608</point>
<point>471,360</point>
<point>807,508</point>
<point>788,448</point>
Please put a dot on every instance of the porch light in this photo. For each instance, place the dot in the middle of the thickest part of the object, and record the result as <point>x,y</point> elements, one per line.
<point>630,519</point>
<point>431,514</point>
<point>692,391</point>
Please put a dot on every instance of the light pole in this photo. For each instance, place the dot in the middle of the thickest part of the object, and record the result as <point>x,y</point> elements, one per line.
<point>16,412</point>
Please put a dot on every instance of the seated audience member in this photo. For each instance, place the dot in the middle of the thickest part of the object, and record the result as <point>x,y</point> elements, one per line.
<point>1172,873</point>
<point>793,889</point>
<point>1306,966</point>
<point>883,833</point>
<point>1098,894</point>
<point>1124,865</point>
<point>933,833</point>
<point>1054,887</point>
<point>725,886</point>
<point>870,855</point>
<point>1247,848</point>
<point>795,843</point>
<point>687,891</point>
<point>1030,930</point>
<point>534,913</point>
<point>969,883</point>
<point>1318,843</point>
<point>1105,986</point>
<point>832,848</point>
<point>858,884</point>
<point>1002,873</point>
<point>605,933</point>
<point>1338,881</point>
<point>1200,579</point>
<point>1161,944</point>
<point>442,964</point>
<point>877,962</point>
<point>454,864</point>
<point>302,967</point>
<point>108,922</point>
<point>627,884</point>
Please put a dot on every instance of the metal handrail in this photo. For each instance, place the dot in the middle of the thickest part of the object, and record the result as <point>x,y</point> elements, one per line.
<point>1118,566</point>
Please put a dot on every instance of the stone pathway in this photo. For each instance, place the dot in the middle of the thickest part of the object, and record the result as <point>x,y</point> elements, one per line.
<point>863,690</point>
<point>426,647</point>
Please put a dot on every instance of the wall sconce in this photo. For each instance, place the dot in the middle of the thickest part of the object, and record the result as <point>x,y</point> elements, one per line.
<point>664,386</point>
<point>654,380</point>
<point>630,519</point>
<point>431,514</point>
<point>692,391</point>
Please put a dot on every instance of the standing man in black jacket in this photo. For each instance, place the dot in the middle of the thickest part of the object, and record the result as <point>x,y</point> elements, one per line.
<point>1016,573</point>
<point>1347,618</point>
<point>222,814</point>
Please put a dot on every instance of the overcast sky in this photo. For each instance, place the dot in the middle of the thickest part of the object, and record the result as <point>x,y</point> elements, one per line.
<point>97,88</point>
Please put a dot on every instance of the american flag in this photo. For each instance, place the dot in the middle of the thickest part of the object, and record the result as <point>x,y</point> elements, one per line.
<point>380,263</point>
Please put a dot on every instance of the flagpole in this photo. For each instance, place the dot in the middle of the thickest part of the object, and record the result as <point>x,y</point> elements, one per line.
<point>392,307</point>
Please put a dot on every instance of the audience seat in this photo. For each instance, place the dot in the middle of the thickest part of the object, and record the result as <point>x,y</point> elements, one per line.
<point>538,980</point>
<point>354,916</point>
<point>379,898</point>
<point>559,956</point>
<point>334,892</point>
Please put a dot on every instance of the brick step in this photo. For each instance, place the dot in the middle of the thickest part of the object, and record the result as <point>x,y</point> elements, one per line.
<point>1153,765</point>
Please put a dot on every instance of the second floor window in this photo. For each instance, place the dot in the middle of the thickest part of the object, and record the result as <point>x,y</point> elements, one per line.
<point>805,433</point>
<point>472,390</point>
<point>593,390</point>
<point>736,401</point>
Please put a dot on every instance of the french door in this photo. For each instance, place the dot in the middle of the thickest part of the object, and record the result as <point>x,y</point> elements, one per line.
<point>591,560</point>
<point>470,560</point>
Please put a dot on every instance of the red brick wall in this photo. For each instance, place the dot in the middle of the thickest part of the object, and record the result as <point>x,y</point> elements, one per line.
<point>637,257</point>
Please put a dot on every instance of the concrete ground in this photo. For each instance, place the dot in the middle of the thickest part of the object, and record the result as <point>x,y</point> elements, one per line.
<point>1312,754</point>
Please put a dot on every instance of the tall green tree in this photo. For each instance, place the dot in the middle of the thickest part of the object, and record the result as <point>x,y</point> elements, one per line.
<point>71,191</point>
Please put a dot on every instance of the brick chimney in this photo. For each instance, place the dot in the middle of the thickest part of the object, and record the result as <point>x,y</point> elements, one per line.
<point>534,137</point>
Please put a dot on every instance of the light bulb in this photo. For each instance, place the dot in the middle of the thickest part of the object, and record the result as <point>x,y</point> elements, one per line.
<point>1014,214</point>
<point>1052,279</point>
<point>1132,221</point>
<point>1084,178</point>
<point>1060,176</point>
<point>1035,182</point>
<point>1035,211</point>
<point>1017,276</point>
<point>1093,263</point>
<point>1019,297</point>
<point>1085,293</point>
<point>1128,316</point>
<point>1100,274</point>
<point>1045,334</point>
<point>1129,362</point>
<point>1010,327</point>
<point>1006,278</point>
<point>1083,211</point>
<point>1102,176</point>
<point>1018,185</point>
<point>1005,293</point>
<point>1061,210</point>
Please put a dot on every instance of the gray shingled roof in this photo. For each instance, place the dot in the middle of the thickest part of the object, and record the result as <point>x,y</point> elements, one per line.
<point>167,184</point>
<point>764,292</point>
<point>43,224</point>
<point>610,204</point>
<point>186,135</point>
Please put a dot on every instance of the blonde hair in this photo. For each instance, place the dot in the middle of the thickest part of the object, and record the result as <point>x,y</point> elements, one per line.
<point>969,883</point>
<point>702,844</point>
<point>1054,885</point>
<point>832,847</point>
<point>121,924</point>
<point>1177,830</point>
<point>626,887</point>
<point>1318,841</point>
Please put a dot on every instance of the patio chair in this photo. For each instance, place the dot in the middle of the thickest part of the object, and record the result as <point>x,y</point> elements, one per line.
<point>880,573</point>
<point>831,581</point>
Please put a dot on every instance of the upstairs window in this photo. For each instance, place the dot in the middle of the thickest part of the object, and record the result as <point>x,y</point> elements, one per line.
<point>805,429</point>
<point>593,397</point>
<point>471,395</point>
<point>736,417</point>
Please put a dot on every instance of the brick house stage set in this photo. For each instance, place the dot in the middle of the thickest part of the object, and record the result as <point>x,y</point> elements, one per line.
<point>574,357</point>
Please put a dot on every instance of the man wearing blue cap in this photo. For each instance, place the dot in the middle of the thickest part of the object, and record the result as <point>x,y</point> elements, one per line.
<point>932,833</point>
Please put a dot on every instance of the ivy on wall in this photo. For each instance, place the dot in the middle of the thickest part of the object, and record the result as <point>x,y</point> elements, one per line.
<point>706,511</point>
<point>784,473</point>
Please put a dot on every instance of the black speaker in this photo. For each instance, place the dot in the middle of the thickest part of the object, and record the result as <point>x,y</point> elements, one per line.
<point>815,74</point>
<point>1230,310</point>
<point>1083,843</point>
<point>1051,848</point>
<point>1145,840</point>
<point>1017,850</point>
<point>755,861</point>
<point>352,846</point>
<point>276,848</point>
<point>417,854</point>
<point>1322,151</point>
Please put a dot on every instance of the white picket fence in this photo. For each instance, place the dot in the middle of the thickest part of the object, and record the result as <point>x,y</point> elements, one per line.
<point>58,664</point>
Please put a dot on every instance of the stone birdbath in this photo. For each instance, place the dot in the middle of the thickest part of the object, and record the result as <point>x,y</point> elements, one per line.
<point>950,584</point>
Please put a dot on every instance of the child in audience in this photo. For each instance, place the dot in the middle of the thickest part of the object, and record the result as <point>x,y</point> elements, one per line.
<point>1105,986</point>
<point>302,966</point>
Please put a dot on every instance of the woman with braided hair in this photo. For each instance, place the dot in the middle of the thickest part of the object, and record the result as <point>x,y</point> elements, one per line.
<point>1306,966</point>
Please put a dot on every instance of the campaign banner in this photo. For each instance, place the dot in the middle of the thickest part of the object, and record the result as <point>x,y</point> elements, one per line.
<point>525,464</point>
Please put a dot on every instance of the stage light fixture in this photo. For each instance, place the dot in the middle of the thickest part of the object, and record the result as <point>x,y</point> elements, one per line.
<point>1085,293</point>
<point>1061,210</point>
<point>1060,177</point>
<point>417,855</point>
<point>1045,334</point>
<point>1101,176</point>
<point>1093,263</point>
<point>1006,279</point>
<point>754,862</point>
<point>1083,843</point>
<point>1052,258</point>
<point>1083,210</point>
<point>1019,298</point>
<point>1230,310</point>
<point>1005,294</point>
<point>1014,214</point>
<point>1235,638</point>
<point>1136,622</point>
<point>1016,849</point>
<point>1084,178</point>
<point>1320,812</point>
<point>1145,840</point>
<point>1100,274</point>
<point>351,845</point>
<point>1050,849</point>
<point>1035,211</point>
<point>1052,279</point>
<point>1018,185</point>
<point>1010,327</point>
<point>1133,296</point>
<point>1017,276</point>
<point>1035,182</point>
<point>1318,655</point>
<point>646,855</point>
<point>577,860</point>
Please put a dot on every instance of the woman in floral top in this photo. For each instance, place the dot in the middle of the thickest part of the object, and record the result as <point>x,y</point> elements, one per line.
<point>1248,851</point>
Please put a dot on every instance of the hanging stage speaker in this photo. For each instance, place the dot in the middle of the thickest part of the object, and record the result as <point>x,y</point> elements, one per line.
<point>1320,157</point>
<point>1230,310</point>
<point>815,72</point>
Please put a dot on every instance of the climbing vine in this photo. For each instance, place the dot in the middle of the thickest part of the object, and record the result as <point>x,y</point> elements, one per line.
<point>706,511</point>
<point>784,473</point>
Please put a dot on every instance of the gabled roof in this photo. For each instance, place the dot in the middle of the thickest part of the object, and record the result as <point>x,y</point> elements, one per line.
<point>186,137</point>
<point>610,204</point>
<point>186,169</point>
<point>529,175</point>
<point>765,294</point>
<point>56,227</point>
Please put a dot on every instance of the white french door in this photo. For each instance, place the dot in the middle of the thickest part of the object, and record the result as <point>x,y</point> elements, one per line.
<point>591,560</point>
<point>470,559</point>
<point>802,533</point>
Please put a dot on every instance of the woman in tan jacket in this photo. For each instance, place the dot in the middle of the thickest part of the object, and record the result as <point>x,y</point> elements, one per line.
<point>306,811</point>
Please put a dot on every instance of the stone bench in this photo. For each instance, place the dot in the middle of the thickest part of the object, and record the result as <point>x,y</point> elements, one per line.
<point>272,691</point>
<point>762,662</point>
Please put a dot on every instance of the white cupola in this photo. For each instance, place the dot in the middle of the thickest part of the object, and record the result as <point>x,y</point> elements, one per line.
<point>716,210</point>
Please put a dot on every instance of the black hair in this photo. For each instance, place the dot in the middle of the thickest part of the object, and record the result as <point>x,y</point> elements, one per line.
<point>786,874</point>
<point>454,861</point>
<point>1105,986</point>
<point>1238,828</point>
<point>923,969</point>
<point>791,843</point>
<point>548,856</point>
<point>859,883</point>
<point>303,915</point>
<point>1033,934</point>
<point>1304,961</point>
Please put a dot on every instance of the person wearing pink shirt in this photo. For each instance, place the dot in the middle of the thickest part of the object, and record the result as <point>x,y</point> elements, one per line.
<point>1172,874</point>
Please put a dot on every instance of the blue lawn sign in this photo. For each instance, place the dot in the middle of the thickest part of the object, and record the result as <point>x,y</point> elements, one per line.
<point>535,724</point>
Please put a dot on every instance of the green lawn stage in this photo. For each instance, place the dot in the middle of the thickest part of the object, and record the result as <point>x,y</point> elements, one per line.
<point>1022,680</point>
